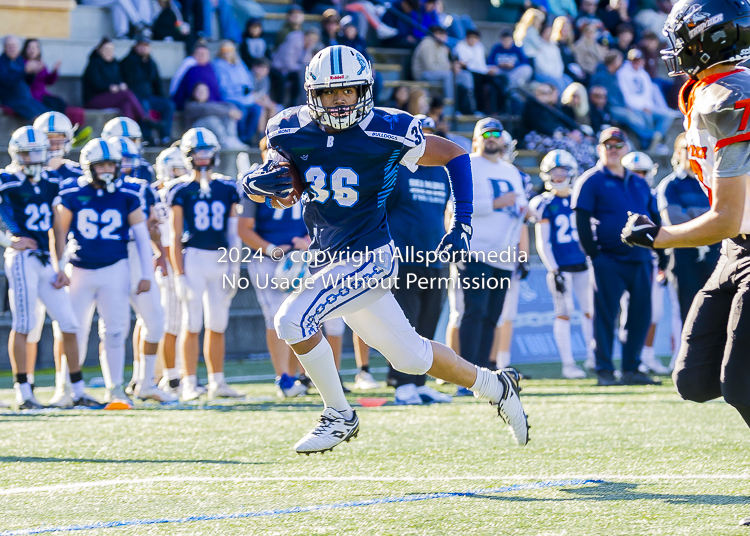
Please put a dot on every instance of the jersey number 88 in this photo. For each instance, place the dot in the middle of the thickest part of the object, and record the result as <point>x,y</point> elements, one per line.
<point>213,216</point>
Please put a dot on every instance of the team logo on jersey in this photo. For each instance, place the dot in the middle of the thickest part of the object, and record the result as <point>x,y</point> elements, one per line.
<point>388,118</point>
<point>697,152</point>
<point>305,157</point>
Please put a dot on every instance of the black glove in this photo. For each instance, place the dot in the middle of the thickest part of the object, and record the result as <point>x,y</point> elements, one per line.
<point>456,240</point>
<point>270,179</point>
<point>639,231</point>
<point>559,281</point>
<point>523,270</point>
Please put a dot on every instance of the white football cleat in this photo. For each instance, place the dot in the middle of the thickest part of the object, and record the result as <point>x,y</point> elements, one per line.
<point>152,392</point>
<point>510,410</point>
<point>431,396</point>
<point>573,372</point>
<point>61,400</point>
<point>364,381</point>
<point>115,398</point>
<point>407,395</point>
<point>189,392</point>
<point>654,365</point>
<point>590,364</point>
<point>222,390</point>
<point>332,429</point>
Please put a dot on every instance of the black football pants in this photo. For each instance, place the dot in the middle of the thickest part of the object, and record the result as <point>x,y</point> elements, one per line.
<point>714,355</point>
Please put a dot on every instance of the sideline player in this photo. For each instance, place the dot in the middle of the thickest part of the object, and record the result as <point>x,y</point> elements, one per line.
<point>27,193</point>
<point>170,169</point>
<point>100,216</point>
<point>561,253</point>
<point>348,152</point>
<point>713,354</point>
<point>127,128</point>
<point>203,222</point>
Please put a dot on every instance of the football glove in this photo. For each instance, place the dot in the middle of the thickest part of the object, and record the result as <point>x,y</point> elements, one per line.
<point>271,179</point>
<point>456,240</point>
<point>559,281</point>
<point>639,231</point>
<point>523,270</point>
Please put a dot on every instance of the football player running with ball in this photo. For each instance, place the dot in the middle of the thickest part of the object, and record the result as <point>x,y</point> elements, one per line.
<point>347,153</point>
<point>709,39</point>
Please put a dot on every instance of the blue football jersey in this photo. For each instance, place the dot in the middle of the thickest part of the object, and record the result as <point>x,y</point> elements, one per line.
<point>100,224</point>
<point>26,207</point>
<point>68,173</point>
<point>205,215</point>
<point>144,190</point>
<point>276,225</point>
<point>563,231</point>
<point>144,171</point>
<point>349,174</point>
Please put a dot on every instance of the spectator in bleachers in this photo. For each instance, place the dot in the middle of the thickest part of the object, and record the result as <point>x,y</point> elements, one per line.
<point>655,67</point>
<point>653,19</point>
<point>471,56</point>
<point>262,91</point>
<point>510,60</point>
<point>588,52</point>
<point>527,33</point>
<point>253,47</point>
<point>39,77</point>
<point>227,19</point>
<point>288,63</point>
<point>431,62</point>
<point>14,90</point>
<point>548,63</point>
<point>405,36</point>
<point>294,19</point>
<point>103,86</point>
<point>126,13</point>
<point>330,28</point>
<point>351,38</point>
<point>219,117</point>
<point>169,24</point>
<point>599,112</point>
<point>624,36</point>
<point>587,15</point>
<point>195,69</point>
<point>536,116</point>
<point>429,17</point>
<point>575,103</point>
<point>236,86</point>
<point>644,97</point>
<point>141,74</point>
<point>399,98</point>
<point>563,37</point>
<point>614,14</point>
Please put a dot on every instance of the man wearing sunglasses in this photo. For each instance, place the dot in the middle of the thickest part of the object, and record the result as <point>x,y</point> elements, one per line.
<point>605,194</point>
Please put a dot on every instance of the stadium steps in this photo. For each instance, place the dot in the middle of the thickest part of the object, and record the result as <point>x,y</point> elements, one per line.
<point>90,23</point>
<point>388,71</point>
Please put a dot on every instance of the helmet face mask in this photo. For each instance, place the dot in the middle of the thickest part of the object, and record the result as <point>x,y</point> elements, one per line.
<point>97,152</point>
<point>558,170</point>
<point>59,131</point>
<point>28,149</point>
<point>200,150</point>
<point>339,67</point>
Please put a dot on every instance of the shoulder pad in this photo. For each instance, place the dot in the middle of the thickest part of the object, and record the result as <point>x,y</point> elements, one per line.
<point>538,204</point>
<point>287,122</point>
<point>388,120</point>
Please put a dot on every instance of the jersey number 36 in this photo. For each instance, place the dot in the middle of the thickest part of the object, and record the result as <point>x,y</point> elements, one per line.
<point>341,184</point>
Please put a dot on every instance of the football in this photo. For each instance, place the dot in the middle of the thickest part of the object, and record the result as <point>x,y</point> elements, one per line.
<point>291,199</point>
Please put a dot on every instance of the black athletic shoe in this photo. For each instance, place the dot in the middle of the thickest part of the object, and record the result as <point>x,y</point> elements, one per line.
<point>304,380</point>
<point>745,522</point>
<point>638,378</point>
<point>606,378</point>
<point>87,402</point>
<point>31,403</point>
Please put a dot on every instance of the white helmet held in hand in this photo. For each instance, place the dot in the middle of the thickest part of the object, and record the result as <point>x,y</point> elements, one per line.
<point>641,164</point>
<point>170,164</point>
<point>58,128</point>
<point>97,151</point>
<point>334,67</point>
<point>558,180</point>
<point>28,149</point>
<point>123,126</point>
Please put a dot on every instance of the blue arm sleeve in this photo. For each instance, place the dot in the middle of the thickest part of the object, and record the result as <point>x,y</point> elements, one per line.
<point>459,171</point>
<point>6,213</point>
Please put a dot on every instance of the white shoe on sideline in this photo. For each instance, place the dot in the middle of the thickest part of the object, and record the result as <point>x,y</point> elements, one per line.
<point>222,390</point>
<point>407,395</point>
<point>61,400</point>
<point>189,391</point>
<point>431,396</point>
<point>364,381</point>
<point>590,363</point>
<point>573,372</point>
<point>332,428</point>
<point>152,392</point>
<point>654,365</point>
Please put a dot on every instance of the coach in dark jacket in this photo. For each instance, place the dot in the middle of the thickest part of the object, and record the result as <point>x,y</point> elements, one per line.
<point>606,193</point>
<point>141,74</point>
<point>14,91</point>
<point>103,86</point>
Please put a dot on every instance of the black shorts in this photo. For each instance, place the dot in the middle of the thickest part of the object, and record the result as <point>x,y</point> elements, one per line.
<point>714,357</point>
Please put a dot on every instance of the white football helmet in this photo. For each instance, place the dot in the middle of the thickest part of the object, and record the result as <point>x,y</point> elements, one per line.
<point>339,66</point>
<point>558,159</point>
<point>641,164</point>
<point>28,149</point>
<point>291,271</point>
<point>130,156</point>
<point>59,130</point>
<point>123,126</point>
<point>169,165</point>
<point>202,143</point>
<point>509,151</point>
<point>427,122</point>
<point>95,152</point>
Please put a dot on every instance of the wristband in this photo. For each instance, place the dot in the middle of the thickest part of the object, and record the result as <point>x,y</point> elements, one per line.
<point>268,250</point>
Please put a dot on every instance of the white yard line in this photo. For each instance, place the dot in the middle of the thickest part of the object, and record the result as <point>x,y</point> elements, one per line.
<point>76,486</point>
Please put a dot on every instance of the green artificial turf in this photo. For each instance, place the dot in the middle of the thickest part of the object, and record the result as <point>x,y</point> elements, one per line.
<point>666,466</point>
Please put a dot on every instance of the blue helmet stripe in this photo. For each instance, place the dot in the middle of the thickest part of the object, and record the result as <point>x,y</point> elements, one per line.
<point>200,140</point>
<point>30,132</point>
<point>105,149</point>
<point>340,61</point>
<point>51,125</point>
<point>124,128</point>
